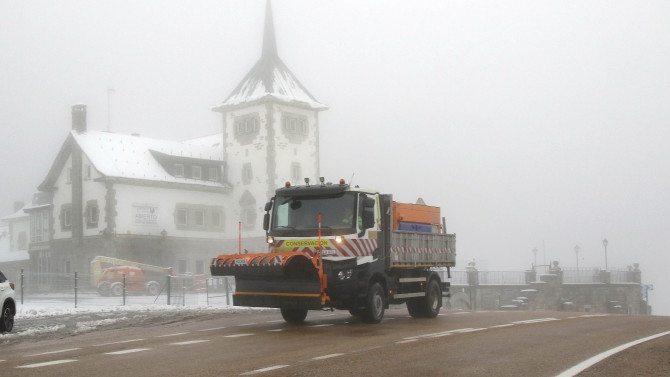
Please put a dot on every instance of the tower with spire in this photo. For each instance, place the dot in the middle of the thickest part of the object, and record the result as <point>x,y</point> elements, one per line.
<point>270,133</point>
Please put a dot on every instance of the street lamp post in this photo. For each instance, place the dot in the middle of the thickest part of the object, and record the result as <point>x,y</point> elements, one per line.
<point>605,245</point>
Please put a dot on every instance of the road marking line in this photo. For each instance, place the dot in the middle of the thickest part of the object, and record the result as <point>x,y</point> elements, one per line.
<point>602,356</point>
<point>505,325</point>
<point>189,342</point>
<point>536,320</point>
<point>277,330</point>
<point>120,342</point>
<point>263,370</point>
<point>1,361</point>
<point>214,328</point>
<point>132,350</point>
<point>327,356</point>
<point>52,352</point>
<point>327,315</point>
<point>249,324</point>
<point>47,363</point>
<point>275,321</point>
<point>322,325</point>
<point>406,341</point>
<point>439,333</point>
<point>175,334</point>
<point>236,335</point>
<point>593,315</point>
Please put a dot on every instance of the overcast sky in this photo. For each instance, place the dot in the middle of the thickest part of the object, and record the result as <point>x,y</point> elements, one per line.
<point>537,124</point>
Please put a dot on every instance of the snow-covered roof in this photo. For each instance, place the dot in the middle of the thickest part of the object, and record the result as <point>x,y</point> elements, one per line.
<point>16,215</point>
<point>128,156</point>
<point>214,141</point>
<point>270,78</point>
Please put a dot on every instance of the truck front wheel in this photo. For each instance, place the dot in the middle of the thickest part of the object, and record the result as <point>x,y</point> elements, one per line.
<point>294,315</point>
<point>374,309</point>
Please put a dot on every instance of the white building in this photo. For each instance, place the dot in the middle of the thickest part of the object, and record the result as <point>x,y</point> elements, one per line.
<point>178,204</point>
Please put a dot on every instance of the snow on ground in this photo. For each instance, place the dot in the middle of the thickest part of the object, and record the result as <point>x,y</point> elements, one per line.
<point>50,317</point>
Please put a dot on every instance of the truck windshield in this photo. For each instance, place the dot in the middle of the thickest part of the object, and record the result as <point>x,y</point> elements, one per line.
<point>299,216</point>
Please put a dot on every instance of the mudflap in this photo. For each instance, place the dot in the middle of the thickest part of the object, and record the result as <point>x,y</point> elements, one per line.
<point>273,280</point>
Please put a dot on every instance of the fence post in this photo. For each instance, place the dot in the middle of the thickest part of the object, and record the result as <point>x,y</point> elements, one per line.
<point>22,286</point>
<point>168,289</point>
<point>225,279</point>
<point>75,289</point>
<point>124,289</point>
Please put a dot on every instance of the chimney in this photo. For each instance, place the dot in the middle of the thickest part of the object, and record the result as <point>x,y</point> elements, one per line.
<point>79,118</point>
<point>18,205</point>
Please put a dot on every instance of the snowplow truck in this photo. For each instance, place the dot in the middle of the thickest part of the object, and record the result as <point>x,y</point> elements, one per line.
<point>332,246</point>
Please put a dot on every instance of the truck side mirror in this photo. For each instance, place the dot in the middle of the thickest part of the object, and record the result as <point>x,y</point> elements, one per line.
<point>368,217</point>
<point>268,206</point>
<point>266,222</point>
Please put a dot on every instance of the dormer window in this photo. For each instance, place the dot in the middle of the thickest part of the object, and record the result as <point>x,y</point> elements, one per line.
<point>178,170</point>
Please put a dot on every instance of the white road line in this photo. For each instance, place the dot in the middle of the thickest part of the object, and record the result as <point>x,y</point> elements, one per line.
<point>439,333</point>
<point>275,321</point>
<point>175,334</point>
<point>322,325</point>
<point>248,324</point>
<point>594,315</point>
<point>214,328</point>
<point>327,356</point>
<point>536,320</point>
<point>406,341</point>
<point>276,330</point>
<point>505,325</point>
<point>120,342</point>
<point>189,342</point>
<point>327,315</point>
<point>55,362</point>
<point>132,350</point>
<point>263,370</point>
<point>461,313</point>
<point>1,361</point>
<point>52,352</point>
<point>597,358</point>
<point>237,335</point>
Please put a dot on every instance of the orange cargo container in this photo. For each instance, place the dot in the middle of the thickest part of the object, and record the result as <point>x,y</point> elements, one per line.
<point>415,213</point>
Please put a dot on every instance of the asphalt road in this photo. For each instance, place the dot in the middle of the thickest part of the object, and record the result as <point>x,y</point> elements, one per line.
<point>336,344</point>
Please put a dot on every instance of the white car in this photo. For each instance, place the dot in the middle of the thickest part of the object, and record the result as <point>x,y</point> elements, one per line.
<point>8,304</point>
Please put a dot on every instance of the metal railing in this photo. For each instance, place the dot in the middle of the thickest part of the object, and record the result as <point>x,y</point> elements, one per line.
<point>74,290</point>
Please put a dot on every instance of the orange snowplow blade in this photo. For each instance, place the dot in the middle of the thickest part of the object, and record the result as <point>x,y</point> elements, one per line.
<point>275,280</point>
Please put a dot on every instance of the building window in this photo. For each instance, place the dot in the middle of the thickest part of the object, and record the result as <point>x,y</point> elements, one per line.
<point>216,219</point>
<point>181,266</point>
<point>213,174</point>
<point>182,216</point>
<point>296,172</point>
<point>87,172</point>
<point>66,217</point>
<point>199,218</point>
<point>247,173</point>
<point>92,214</point>
<point>196,172</point>
<point>39,226</point>
<point>178,170</point>
<point>246,125</point>
<point>295,124</point>
<point>22,241</point>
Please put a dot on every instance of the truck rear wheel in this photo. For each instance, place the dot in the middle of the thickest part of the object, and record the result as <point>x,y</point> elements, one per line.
<point>294,315</point>
<point>374,309</point>
<point>428,306</point>
<point>153,288</point>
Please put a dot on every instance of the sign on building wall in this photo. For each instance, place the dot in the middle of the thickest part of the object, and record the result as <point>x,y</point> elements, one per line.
<point>145,214</point>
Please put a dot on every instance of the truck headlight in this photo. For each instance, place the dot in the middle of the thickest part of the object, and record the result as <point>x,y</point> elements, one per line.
<point>338,239</point>
<point>270,239</point>
<point>345,274</point>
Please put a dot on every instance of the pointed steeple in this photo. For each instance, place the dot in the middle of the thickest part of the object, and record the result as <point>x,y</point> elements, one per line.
<point>269,41</point>
<point>270,78</point>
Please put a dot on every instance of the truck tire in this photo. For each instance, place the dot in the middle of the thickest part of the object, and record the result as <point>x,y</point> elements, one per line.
<point>374,308</point>
<point>428,306</point>
<point>116,289</point>
<point>153,288</point>
<point>294,315</point>
<point>103,288</point>
<point>433,301</point>
<point>6,318</point>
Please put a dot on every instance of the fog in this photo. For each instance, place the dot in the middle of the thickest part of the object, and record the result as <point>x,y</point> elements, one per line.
<point>538,124</point>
